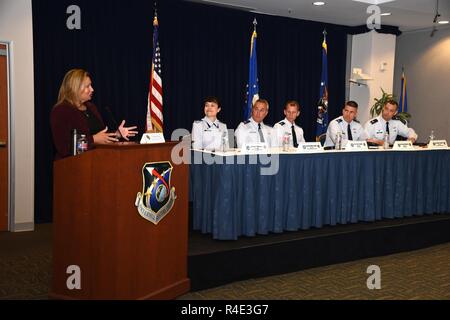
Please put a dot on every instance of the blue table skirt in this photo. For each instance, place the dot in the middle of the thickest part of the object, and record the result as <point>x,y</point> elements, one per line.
<point>313,190</point>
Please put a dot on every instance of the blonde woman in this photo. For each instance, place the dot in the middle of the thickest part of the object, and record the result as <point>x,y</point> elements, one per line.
<point>75,111</point>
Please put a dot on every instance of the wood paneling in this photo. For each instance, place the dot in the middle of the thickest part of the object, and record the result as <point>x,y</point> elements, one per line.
<point>97,226</point>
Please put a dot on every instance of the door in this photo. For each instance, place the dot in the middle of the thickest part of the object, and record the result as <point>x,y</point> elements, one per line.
<point>3,139</point>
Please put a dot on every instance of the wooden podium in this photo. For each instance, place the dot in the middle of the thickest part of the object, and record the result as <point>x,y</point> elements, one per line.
<point>98,228</point>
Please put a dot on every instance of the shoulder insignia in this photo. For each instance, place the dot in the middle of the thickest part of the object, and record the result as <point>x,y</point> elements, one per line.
<point>399,119</point>
<point>198,121</point>
<point>357,121</point>
<point>246,121</point>
<point>282,123</point>
<point>338,120</point>
<point>373,121</point>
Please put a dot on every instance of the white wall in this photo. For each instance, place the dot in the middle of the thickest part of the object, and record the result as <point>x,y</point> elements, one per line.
<point>17,29</point>
<point>369,51</point>
<point>427,68</point>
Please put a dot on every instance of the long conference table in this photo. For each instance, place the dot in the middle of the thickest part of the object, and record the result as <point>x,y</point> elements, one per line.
<point>231,197</point>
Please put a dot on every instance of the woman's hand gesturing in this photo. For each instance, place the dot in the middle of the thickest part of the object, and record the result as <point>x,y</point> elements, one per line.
<point>126,132</point>
<point>104,137</point>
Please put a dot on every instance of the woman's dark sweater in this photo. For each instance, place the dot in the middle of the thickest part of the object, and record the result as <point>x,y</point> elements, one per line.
<point>64,118</point>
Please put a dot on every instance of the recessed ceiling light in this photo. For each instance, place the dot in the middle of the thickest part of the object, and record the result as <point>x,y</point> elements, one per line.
<point>374,1</point>
<point>319,3</point>
<point>386,14</point>
<point>443,22</point>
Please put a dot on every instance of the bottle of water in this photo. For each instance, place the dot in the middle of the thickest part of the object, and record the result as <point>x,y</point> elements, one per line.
<point>432,137</point>
<point>74,142</point>
<point>82,144</point>
<point>386,141</point>
<point>338,144</point>
<point>285,142</point>
<point>224,141</point>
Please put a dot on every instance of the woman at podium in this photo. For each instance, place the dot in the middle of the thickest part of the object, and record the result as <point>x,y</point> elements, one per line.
<point>74,110</point>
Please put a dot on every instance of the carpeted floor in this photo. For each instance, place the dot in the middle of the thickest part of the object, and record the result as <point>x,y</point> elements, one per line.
<point>421,274</point>
<point>25,262</point>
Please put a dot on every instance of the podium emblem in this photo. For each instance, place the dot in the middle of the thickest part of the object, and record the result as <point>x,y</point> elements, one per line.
<point>157,197</point>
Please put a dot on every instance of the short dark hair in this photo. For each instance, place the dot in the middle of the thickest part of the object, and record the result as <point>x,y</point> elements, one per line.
<point>211,99</point>
<point>352,104</point>
<point>292,103</point>
<point>393,102</point>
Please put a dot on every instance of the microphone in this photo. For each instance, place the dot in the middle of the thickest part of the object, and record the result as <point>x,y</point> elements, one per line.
<point>111,117</point>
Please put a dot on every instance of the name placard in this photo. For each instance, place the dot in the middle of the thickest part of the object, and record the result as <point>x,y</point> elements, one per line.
<point>256,147</point>
<point>438,144</point>
<point>356,146</point>
<point>403,145</point>
<point>148,138</point>
<point>307,147</point>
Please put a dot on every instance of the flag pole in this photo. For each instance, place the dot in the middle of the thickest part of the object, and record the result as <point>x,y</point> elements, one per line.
<point>252,85</point>
<point>154,119</point>
<point>322,114</point>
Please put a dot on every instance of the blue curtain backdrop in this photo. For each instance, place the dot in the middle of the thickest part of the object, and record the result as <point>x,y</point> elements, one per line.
<point>205,51</point>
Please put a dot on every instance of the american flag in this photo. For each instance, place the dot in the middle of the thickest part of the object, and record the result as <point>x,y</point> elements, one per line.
<point>155,94</point>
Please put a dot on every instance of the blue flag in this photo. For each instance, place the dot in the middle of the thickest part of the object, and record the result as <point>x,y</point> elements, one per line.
<point>403,105</point>
<point>252,87</point>
<point>322,113</point>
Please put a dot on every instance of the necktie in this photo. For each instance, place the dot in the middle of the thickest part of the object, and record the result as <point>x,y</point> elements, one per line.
<point>387,127</point>
<point>349,132</point>
<point>294,137</point>
<point>261,136</point>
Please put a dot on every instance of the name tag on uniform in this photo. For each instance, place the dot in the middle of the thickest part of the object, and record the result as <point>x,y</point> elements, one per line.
<point>255,147</point>
<point>149,138</point>
<point>438,144</point>
<point>309,147</point>
<point>356,146</point>
<point>403,145</point>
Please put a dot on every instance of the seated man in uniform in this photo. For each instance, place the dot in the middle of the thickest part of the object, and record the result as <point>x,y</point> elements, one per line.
<point>209,132</point>
<point>346,125</point>
<point>254,130</point>
<point>386,123</point>
<point>288,125</point>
